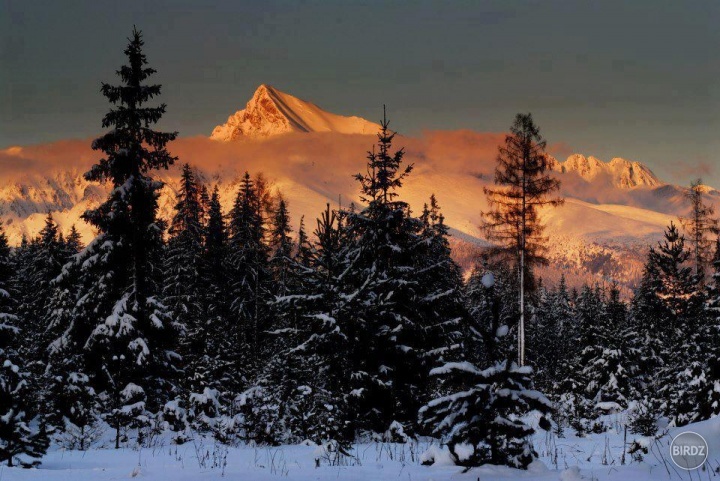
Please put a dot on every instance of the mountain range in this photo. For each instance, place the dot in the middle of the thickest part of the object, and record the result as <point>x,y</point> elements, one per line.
<point>613,211</point>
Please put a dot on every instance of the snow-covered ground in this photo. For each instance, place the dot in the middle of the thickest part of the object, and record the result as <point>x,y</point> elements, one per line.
<point>597,457</point>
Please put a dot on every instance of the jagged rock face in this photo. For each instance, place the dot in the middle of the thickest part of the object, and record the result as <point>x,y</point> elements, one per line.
<point>271,112</point>
<point>623,173</point>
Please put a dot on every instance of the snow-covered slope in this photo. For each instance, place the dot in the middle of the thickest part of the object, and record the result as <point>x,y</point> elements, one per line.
<point>614,210</point>
<point>271,112</point>
<point>602,457</point>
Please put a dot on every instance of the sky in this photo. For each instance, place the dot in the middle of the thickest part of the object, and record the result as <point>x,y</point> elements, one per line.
<point>638,80</point>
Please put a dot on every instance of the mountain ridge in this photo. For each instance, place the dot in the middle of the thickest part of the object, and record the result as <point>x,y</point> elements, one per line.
<point>271,112</point>
<point>625,174</point>
<point>614,209</point>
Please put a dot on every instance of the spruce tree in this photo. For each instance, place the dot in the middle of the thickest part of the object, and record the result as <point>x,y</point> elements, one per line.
<point>71,402</point>
<point>647,323</point>
<point>303,247</point>
<point>249,277</point>
<point>682,302</point>
<point>575,403</point>
<point>486,406</point>
<point>310,373</point>
<point>281,246</point>
<point>183,282</point>
<point>706,375</point>
<point>43,265</point>
<point>212,371</point>
<point>73,242</point>
<point>19,436</point>
<point>123,329</point>
<point>551,338</point>
<point>604,374</point>
<point>218,352</point>
<point>390,335</point>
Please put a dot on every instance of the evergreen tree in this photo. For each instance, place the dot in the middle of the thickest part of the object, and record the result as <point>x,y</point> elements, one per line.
<point>551,338</point>
<point>183,282</point>
<point>301,394</point>
<point>698,226</point>
<point>303,247</point>
<point>73,242</point>
<point>119,323</point>
<point>72,403</point>
<point>577,399</point>
<point>705,376</point>
<point>440,294</point>
<point>213,385</point>
<point>281,245</point>
<point>43,265</point>
<point>602,357</point>
<point>524,185</point>
<point>19,436</point>
<point>645,339</point>
<point>487,406</point>
<point>681,303</point>
<point>391,332</point>
<point>249,277</point>
<point>214,262</point>
<point>219,348</point>
<point>75,405</point>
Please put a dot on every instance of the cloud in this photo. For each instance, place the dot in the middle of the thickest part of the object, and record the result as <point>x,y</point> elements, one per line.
<point>334,158</point>
<point>560,150</point>
<point>314,168</point>
<point>43,158</point>
<point>685,170</point>
<point>323,164</point>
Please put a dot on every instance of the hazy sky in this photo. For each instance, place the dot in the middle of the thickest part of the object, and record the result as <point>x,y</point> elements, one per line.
<point>640,79</point>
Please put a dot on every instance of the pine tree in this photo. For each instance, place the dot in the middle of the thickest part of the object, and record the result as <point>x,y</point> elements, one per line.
<point>19,438</point>
<point>698,225</point>
<point>123,329</point>
<point>485,410</point>
<point>524,187</point>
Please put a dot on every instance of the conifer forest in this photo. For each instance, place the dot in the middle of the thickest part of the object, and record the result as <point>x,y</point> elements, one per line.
<point>253,333</point>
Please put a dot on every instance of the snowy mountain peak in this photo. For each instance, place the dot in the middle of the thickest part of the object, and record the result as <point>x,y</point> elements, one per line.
<point>625,174</point>
<point>271,112</point>
<point>587,167</point>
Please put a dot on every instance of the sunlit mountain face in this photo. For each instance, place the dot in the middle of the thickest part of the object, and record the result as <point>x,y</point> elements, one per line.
<point>613,211</point>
